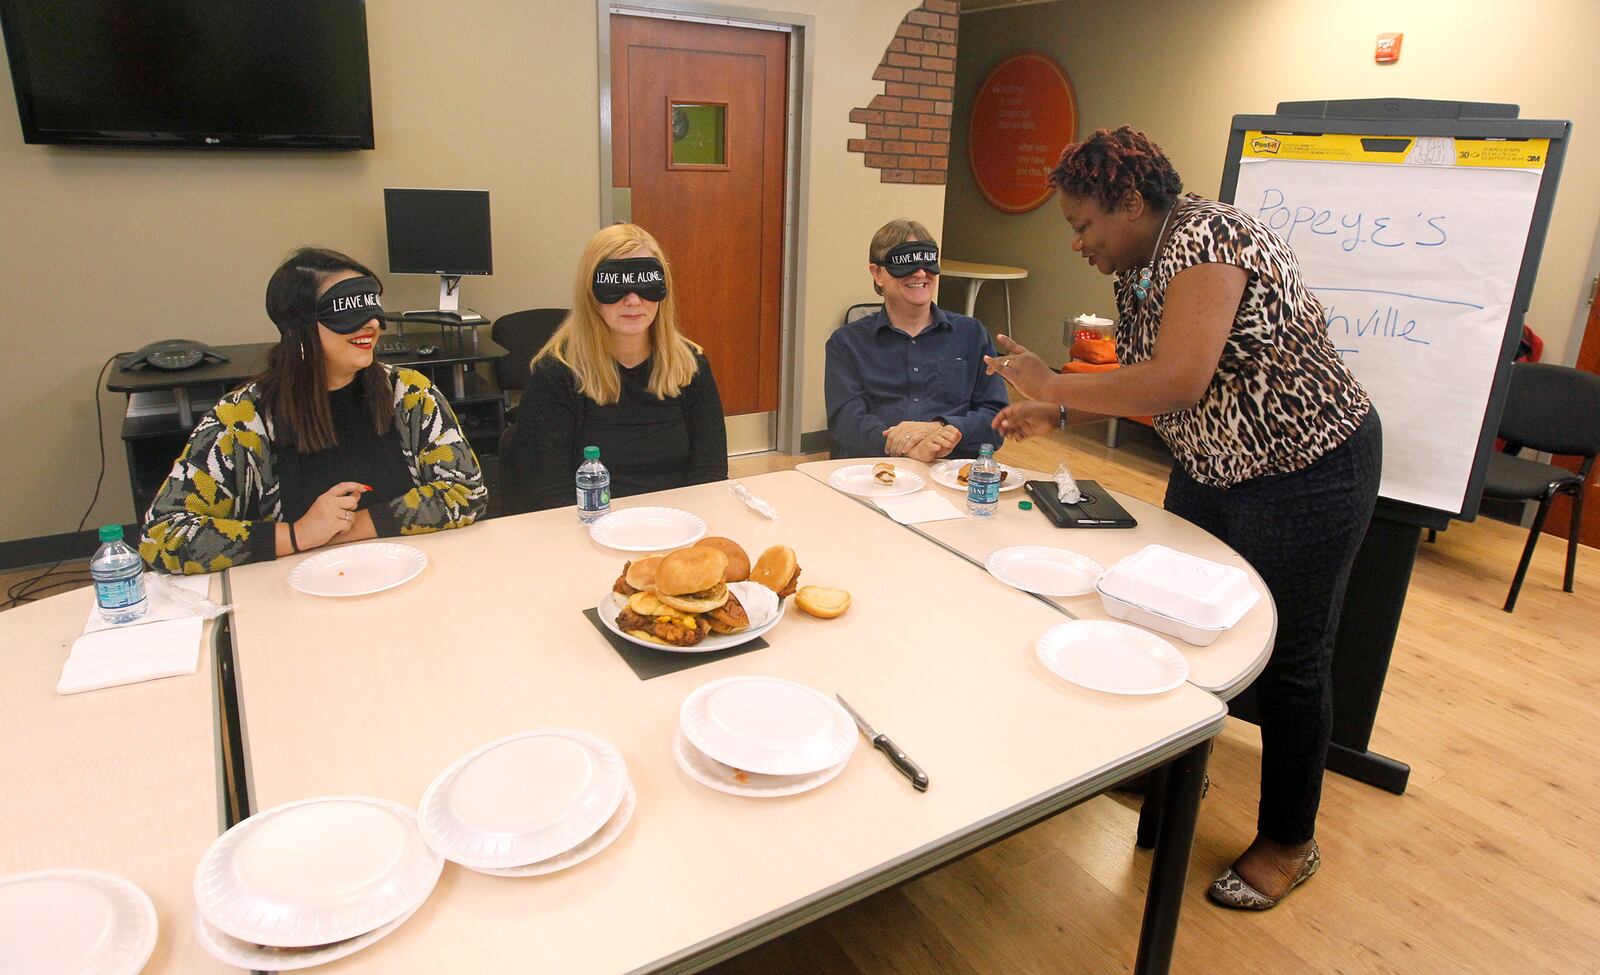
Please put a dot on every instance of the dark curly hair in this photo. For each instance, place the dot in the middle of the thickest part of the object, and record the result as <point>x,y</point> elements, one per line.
<point>1108,164</point>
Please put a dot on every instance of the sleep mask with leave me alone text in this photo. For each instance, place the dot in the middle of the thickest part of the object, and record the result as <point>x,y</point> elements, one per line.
<point>910,257</point>
<point>352,303</point>
<point>642,276</point>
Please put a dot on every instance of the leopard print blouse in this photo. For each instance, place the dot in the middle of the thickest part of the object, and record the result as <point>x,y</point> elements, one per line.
<point>1281,397</point>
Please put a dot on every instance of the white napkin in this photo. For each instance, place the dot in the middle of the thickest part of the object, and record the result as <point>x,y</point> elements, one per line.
<point>165,642</point>
<point>758,505</point>
<point>1066,487</point>
<point>914,509</point>
<point>170,598</point>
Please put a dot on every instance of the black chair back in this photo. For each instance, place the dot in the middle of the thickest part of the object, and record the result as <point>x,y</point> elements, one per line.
<point>1552,408</point>
<point>857,312</point>
<point>523,333</point>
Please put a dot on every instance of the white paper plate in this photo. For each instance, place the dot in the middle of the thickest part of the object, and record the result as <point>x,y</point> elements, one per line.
<point>712,774</point>
<point>761,604</point>
<point>767,725</point>
<point>857,479</point>
<point>945,471</point>
<point>74,922</point>
<point>648,529</point>
<point>230,950</point>
<point>357,570</point>
<point>1045,570</point>
<point>523,798</point>
<point>316,871</point>
<point>608,834</point>
<point>1104,655</point>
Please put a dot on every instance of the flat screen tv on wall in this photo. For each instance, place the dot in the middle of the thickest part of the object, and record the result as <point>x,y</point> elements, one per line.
<point>278,74</point>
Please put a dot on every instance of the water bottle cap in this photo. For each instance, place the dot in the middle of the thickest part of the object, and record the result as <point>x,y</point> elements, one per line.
<point>987,448</point>
<point>591,453</point>
<point>111,533</point>
<point>1025,505</point>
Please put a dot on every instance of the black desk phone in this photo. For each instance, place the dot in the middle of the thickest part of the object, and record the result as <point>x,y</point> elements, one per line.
<point>171,354</point>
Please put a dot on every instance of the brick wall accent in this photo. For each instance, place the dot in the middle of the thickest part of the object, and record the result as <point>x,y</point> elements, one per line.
<point>908,126</point>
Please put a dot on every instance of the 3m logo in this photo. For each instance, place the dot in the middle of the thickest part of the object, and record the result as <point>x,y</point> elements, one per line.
<point>1265,143</point>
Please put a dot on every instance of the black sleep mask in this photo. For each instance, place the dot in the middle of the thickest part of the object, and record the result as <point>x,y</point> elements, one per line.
<point>642,276</point>
<point>351,304</point>
<point>910,257</point>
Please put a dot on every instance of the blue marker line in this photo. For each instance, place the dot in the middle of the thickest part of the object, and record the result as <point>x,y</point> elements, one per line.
<point>1401,294</point>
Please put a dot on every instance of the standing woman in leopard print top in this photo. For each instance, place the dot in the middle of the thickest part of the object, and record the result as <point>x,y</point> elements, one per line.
<point>1278,448</point>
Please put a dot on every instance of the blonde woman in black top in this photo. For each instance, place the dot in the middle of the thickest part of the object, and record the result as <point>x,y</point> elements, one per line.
<point>1278,448</point>
<point>619,375</point>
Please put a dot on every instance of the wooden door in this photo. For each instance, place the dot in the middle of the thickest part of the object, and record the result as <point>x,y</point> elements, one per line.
<point>1560,517</point>
<point>697,134</point>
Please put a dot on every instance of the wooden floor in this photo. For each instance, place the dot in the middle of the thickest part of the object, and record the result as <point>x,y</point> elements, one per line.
<point>1489,863</point>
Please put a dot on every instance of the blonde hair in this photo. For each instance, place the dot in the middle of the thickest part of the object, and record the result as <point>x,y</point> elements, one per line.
<point>583,342</point>
<point>891,235</point>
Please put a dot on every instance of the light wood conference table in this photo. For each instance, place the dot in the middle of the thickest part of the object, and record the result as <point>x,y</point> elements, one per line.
<point>377,694</point>
<point>1224,667</point>
<point>122,780</point>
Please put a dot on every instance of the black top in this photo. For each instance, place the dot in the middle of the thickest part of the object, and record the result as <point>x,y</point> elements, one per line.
<point>360,455</point>
<point>647,444</point>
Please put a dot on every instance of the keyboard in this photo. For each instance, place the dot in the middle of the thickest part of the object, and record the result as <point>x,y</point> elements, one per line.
<point>393,347</point>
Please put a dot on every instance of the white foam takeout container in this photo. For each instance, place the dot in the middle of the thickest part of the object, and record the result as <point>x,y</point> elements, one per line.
<point>1191,598</point>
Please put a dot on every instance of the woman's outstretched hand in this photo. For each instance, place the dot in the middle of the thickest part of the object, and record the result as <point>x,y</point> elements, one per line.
<point>1019,421</point>
<point>1019,367</point>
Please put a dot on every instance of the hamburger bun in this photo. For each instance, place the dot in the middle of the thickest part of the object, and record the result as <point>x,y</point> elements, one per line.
<point>646,604</point>
<point>777,569</point>
<point>690,580</point>
<point>738,562</point>
<point>883,473</point>
<point>822,602</point>
<point>641,573</point>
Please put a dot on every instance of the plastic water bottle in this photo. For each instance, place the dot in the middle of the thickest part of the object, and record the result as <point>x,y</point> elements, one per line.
<point>118,578</point>
<point>983,484</point>
<point>594,487</point>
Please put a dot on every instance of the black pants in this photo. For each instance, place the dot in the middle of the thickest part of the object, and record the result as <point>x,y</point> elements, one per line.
<point>1301,532</point>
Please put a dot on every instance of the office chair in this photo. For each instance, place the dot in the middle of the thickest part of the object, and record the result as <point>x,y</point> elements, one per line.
<point>1555,409</point>
<point>857,312</point>
<point>523,333</point>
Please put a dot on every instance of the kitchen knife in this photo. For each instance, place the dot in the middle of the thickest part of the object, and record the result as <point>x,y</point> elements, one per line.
<point>897,758</point>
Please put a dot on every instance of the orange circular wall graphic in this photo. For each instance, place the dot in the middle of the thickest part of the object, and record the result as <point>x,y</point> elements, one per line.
<point>1024,115</point>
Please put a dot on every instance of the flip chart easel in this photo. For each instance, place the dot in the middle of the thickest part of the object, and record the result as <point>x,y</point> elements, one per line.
<point>1419,225</point>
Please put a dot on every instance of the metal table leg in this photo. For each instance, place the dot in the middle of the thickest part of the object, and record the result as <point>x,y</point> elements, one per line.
<point>1163,899</point>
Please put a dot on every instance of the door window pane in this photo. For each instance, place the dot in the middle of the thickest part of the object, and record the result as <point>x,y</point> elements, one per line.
<point>699,134</point>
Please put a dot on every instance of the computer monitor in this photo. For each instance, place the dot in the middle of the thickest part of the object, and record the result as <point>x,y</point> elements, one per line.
<point>443,232</point>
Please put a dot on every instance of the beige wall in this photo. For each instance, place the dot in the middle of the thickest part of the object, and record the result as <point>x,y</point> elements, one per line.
<point>1181,71</point>
<point>106,250</point>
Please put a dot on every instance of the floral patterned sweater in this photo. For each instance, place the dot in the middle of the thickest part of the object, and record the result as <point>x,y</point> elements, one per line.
<point>220,505</point>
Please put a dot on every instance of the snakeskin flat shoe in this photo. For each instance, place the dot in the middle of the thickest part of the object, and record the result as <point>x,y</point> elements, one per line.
<point>1230,889</point>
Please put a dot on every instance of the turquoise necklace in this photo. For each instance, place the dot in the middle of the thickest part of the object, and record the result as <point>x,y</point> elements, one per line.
<point>1142,284</point>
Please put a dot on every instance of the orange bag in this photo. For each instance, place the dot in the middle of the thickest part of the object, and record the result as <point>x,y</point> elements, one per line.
<point>1076,366</point>
<point>1094,351</point>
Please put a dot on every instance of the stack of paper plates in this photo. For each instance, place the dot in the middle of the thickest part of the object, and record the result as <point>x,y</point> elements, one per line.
<point>529,804</point>
<point>761,736</point>
<point>311,881</point>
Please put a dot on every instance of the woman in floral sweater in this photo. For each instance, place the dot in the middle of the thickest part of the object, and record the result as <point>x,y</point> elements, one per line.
<point>328,445</point>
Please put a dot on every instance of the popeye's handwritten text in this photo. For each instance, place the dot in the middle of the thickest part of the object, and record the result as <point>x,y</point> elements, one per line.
<point>1352,228</point>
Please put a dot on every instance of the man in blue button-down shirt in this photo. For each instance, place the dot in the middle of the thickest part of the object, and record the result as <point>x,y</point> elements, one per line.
<point>909,381</point>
